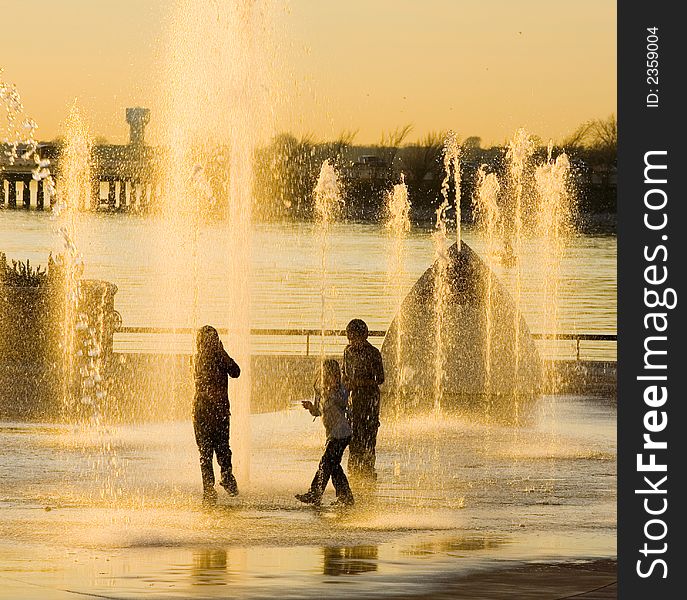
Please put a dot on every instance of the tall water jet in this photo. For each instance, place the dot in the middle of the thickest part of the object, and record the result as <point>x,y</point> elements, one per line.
<point>442,290</point>
<point>488,215</point>
<point>451,158</point>
<point>217,94</point>
<point>397,225</point>
<point>328,206</point>
<point>518,156</point>
<point>72,195</point>
<point>553,224</point>
<point>85,318</point>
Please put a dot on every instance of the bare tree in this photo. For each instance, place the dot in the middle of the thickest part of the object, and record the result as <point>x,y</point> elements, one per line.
<point>597,134</point>
<point>339,147</point>
<point>391,141</point>
<point>422,158</point>
<point>605,133</point>
<point>577,138</point>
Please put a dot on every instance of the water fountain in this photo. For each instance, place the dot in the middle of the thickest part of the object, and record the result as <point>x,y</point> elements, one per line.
<point>397,225</point>
<point>441,289</point>
<point>73,191</point>
<point>456,310</point>
<point>218,65</point>
<point>438,477</point>
<point>451,159</point>
<point>487,215</point>
<point>552,226</point>
<point>64,331</point>
<point>520,150</point>
<point>328,207</point>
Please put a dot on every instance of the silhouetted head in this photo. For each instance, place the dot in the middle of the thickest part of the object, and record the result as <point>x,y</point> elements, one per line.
<point>330,373</point>
<point>356,330</point>
<point>207,340</point>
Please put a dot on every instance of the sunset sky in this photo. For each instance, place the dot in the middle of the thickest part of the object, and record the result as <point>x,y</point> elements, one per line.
<point>480,68</point>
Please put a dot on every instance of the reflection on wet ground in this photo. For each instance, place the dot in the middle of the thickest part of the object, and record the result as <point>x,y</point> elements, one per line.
<point>456,546</point>
<point>337,560</point>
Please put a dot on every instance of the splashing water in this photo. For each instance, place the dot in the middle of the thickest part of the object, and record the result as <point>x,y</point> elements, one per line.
<point>84,394</point>
<point>20,129</point>
<point>451,158</point>
<point>442,289</point>
<point>217,88</point>
<point>398,226</point>
<point>519,154</point>
<point>488,215</point>
<point>73,191</point>
<point>328,206</point>
<point>80,368</point>
<point>553,224</point>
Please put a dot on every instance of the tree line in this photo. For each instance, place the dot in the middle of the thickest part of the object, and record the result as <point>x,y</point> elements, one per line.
<point>286,170</point>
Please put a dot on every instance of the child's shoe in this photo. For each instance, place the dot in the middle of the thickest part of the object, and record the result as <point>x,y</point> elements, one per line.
<point>230,485</point>
<point>343,501</point>
<point>308,498</point>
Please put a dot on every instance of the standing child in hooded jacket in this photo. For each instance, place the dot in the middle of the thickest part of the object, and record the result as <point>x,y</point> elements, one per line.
<point>211,411</point>
<point>363,373</point>
<point>331,402</point>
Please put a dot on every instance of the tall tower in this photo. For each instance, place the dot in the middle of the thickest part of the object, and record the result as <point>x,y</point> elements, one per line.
<point>137,118</point>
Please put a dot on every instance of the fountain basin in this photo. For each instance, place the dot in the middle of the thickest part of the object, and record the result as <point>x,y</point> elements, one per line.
<point>31,319</point>
<point>32,357</point>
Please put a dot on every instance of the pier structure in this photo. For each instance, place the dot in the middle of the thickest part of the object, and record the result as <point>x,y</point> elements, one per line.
<point>124,175</point>
<point>18,188</point>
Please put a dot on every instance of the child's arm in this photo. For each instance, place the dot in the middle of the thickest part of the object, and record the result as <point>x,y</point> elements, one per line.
<point>229,365</point>
<point>312,407</point>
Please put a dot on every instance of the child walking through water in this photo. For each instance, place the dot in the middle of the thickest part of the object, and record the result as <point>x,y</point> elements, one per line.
<point>211,413</point>
<point>330,403</point>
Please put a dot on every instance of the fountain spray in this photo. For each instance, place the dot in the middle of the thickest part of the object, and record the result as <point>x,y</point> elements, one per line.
<point>553,224</point>
<point>83,374</point>
<point>217,103</point>
<point>328,207</point>
<point>398,226</point>
<point>442,288</point>
<point>487,215</point>
<point>452,174</point>
<point>73,193</point>
<point>520,150</point>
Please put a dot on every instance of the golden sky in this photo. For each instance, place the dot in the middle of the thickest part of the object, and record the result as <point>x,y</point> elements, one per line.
<point>481,68</point>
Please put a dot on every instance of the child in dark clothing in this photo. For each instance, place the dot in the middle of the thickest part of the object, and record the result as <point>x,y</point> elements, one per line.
<point>330,403</point>
<point>211,412</point>
<point>363,373</point>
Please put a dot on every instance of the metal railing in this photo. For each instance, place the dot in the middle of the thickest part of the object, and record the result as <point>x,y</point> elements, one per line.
<point>577,338</point>
<point>316,333</point>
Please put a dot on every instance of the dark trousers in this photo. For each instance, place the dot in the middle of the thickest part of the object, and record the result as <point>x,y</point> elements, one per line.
<point>330,466</point>
<point>212,437</point>
<point>364,423</point>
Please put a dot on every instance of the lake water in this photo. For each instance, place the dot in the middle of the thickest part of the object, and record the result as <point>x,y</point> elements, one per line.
<point>286,287</point>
